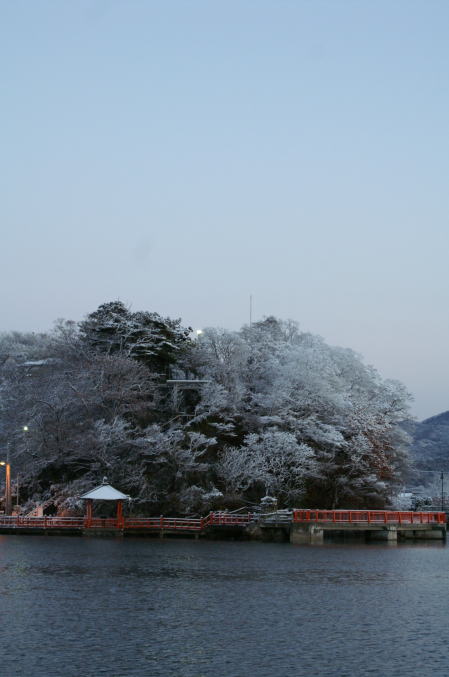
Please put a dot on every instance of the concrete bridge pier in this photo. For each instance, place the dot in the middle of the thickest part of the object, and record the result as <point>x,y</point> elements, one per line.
<point>309,533</point>
<point>388,533</point>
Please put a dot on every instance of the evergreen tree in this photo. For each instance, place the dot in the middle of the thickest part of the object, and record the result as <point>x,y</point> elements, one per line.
<point>155,341</point>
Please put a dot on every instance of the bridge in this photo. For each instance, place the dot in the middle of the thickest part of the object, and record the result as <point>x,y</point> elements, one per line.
<point>298,526</point>
<point>85,525</point>
<point>309,526</point>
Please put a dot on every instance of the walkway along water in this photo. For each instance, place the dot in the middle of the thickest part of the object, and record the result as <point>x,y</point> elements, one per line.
<point>298,526</point>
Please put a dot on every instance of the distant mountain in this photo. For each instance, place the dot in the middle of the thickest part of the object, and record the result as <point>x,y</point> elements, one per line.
<point>430,446</point>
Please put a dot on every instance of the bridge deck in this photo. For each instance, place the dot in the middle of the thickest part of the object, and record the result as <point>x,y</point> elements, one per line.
<point>309,526</point>
<point>166,524</point>
<point>369,518</point>
<point>322,520</point>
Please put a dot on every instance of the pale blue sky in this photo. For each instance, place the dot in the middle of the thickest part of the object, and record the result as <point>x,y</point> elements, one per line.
<point>182,155</point>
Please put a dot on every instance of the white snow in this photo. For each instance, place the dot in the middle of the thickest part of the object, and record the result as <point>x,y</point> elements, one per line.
<point>104,493</point>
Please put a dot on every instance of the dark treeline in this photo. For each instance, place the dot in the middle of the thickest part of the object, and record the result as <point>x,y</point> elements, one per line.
<point>188,424</point>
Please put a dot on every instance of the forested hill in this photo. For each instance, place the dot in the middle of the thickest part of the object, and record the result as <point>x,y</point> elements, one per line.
<point>186,423</point>
<point>430,445</point>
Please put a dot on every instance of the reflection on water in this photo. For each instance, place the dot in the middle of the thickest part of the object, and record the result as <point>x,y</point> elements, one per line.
<point>82,607</point>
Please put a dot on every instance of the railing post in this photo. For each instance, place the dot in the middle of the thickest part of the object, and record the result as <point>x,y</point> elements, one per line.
<point>89,512</point>
<point>120,522</point>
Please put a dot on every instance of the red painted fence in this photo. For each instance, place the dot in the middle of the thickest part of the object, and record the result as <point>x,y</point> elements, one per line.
<point>224,519</point>
<point>369,517</point>
<point>152,523</point>
<point>42,522</point>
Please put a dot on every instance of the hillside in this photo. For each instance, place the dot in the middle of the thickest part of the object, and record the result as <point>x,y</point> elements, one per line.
<point>185,425</point>
<point>430,447</point>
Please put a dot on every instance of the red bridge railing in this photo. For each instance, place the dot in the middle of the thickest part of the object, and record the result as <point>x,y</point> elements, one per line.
<point>358,517</point>
<point>152,523</point>
<point>227,519</point>
<point>369,517</point>
<point>163,523</point>
<point>42,522</point>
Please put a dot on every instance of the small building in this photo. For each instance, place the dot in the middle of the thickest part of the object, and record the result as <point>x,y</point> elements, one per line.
<point>104,492</point>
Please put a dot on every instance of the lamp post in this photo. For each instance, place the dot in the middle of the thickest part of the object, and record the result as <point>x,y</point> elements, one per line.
<point>7,486</point>
<point>8,493</point>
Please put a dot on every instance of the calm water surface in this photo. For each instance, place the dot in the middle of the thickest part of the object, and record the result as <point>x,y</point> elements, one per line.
<point>79,607</point>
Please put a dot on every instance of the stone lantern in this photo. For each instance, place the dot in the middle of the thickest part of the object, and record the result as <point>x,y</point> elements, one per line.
<point>268,504</point>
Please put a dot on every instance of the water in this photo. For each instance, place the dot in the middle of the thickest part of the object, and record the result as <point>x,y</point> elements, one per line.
<point>79,607</point>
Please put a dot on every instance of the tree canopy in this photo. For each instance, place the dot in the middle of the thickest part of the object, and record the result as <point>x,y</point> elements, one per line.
<point>265,409</point>
<point>153,340</point>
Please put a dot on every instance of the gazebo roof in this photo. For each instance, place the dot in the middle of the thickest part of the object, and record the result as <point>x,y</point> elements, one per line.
<point>104,493</point>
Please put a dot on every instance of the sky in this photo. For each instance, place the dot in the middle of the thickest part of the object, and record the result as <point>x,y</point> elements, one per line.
<point>182,156</point>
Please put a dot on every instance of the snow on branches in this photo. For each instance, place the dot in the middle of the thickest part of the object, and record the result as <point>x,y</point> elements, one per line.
<point>265,409</point>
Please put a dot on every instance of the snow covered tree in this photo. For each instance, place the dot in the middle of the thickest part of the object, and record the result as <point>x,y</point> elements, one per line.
<point>80,410</point>
<point>325,397</point>
<point>146,337</point>
<point>273,459</point>
<point>276,410</point>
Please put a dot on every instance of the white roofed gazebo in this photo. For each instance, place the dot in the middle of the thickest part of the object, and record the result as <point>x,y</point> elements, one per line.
<point>104,493</point>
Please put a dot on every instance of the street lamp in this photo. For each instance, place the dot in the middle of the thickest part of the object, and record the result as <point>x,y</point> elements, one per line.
<point>7,487</point>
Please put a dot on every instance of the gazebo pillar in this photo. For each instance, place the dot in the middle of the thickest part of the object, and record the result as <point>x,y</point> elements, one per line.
<point>120,520</point>
<point>89,511</point>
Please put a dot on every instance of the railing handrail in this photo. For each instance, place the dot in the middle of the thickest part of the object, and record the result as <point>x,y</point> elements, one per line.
<point>369,516</point>
<point>168,523</point>
<point>222,519</point>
